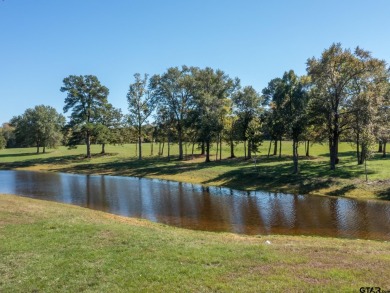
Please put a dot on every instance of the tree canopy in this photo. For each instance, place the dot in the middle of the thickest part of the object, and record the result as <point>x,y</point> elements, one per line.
<point>86,98</point>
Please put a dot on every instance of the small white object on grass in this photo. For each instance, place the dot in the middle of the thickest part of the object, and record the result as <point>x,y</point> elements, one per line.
<point>268,242</point>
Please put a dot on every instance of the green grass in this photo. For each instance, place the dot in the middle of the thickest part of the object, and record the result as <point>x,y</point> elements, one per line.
<point>53,247</point>
<point>273,173</point>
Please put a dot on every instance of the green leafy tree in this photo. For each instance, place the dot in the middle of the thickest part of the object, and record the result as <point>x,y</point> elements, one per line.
<point>141,105</point>
<point>40,126</point>
<point>288,98</point>
<point>382,127</point>
<point>295,111</point>
<point>108,128</point>
<point>247,105</point>
<point>8,132</point>
<point>3,141</point>
<point>86,98</point>
<point>336,77</point>
<point>174,90</point>
<point>366,107</point>
<point>275,126</point>
<point>212,91</point>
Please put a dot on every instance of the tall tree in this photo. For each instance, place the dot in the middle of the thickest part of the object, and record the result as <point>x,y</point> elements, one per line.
<point>335,77</point>
<point>275,126</point>
<point>366,107</point>
<point>174,89</point>
<point>382,126</point>
<point>288,98</point>
<point>247,105</point>
<point>86,98</point>
<point>295,110</point>
<point>108,126</point>
<point>212,91</point>
<point>3,141</point>
<point>141,104</point>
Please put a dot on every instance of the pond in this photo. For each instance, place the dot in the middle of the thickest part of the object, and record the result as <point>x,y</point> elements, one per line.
<point>197,207</point>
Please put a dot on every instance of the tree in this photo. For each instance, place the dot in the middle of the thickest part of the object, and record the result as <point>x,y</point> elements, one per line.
<point>382,129</point>
<point>211,95</point>
<point>86,98</point>
<point>8,132</point>
<point>336,76</point>
<point>247,105</point>
<point>275,126</point>
<point>231,132</point>
<point>295,110</point>
<point>288,99</point>
<point>3,141</point>
<point>40,126</point>
<point>365,110</point>
<point>141,104</point>
<point>108,126</point>
<point>174,89</point>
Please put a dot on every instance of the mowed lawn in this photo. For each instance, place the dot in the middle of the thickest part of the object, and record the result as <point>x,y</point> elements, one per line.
<point>273,173</point>
<point>53,247</point>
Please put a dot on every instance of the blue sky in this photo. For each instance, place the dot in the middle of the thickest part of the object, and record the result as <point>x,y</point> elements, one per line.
<point>42,42</point>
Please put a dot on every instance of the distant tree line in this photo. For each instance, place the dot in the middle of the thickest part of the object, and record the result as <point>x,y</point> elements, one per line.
<point>343,97</point>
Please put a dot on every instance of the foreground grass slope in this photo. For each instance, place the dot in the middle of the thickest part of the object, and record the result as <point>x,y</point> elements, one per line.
<point>53,247</point>
<point>272,173</point>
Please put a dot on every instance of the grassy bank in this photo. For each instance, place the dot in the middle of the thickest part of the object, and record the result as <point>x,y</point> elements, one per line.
<point>273,173</point>
<point>53,247</point>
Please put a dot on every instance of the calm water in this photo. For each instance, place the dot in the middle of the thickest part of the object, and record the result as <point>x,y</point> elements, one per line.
<point>207,208</point>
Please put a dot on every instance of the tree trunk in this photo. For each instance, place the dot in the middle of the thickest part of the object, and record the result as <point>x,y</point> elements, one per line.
<point>232,149</point>
<point>162,149</point>
<point>384,149</point>
<point>179,134</point>
<point>136,149</point>
<point>269,148</point>
<point>103,148</point>
<point>44,149</point>
<point>244,149</point>
<point>362,156</point>
<point>380,148</point>
<point>169,147</point>
<point>207,151</point>
<point>358,148</point>
<point>139,144</point>
<point>249,149</point>
<point>295,156</point>
<point>193,148</point>
<point>202,152</point>
<point>280,148</point>
<point>88,143</point>
<point>151,148</point>
<point>334,150</point>
<point>275,147</point>
<point>220,147</point>
<point>216,154</point>
<point>308,149</point>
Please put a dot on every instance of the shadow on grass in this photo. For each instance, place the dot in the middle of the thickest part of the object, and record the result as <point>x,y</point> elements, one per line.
<point>38,161</point>
<point>385,194</point>
<point>342,191</point>
<point>19,155</point>
<point>153,166</point>
<point>278,177</point>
